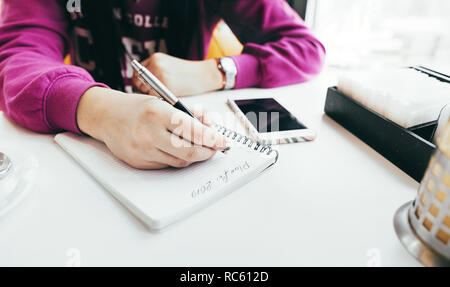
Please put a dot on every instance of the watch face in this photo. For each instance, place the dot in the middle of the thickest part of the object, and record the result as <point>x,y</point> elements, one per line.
<point>229,68</point>
<point>228,65</point>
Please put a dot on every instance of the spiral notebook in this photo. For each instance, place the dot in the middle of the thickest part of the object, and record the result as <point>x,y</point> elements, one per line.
<point>161,197</point>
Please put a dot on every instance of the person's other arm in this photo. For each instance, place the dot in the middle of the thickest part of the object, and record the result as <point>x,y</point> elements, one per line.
<point>278,50</point>
<point>278,47</point>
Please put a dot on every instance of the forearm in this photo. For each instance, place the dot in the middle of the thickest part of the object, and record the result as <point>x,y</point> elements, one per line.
<point>43,99</point>
<point>37,90</point>
<point>182,77</point>
<point>278,47</point>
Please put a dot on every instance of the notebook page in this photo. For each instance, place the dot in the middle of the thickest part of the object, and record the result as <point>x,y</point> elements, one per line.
<point>159,196</point>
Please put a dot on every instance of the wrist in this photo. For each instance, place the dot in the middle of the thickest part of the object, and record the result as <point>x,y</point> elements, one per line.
<point>215,79</point>
<point>91,111</point>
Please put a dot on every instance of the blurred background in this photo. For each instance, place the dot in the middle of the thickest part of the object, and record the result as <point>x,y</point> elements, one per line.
<point>360,34</point>
<point>380,33</point>
<point>369,33</point>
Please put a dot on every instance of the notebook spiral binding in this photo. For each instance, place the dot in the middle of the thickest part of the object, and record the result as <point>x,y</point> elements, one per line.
<point>245,140</point>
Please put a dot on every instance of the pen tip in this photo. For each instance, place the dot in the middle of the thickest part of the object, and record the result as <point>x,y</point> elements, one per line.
<point>226,149</point>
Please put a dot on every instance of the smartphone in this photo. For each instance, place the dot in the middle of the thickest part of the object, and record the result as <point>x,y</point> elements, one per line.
<point>268,122</point>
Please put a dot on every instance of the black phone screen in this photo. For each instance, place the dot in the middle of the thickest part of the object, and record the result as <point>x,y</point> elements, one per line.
<point>267,115</point>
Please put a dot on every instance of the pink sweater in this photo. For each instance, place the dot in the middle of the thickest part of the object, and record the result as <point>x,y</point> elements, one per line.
<point>40,92</point>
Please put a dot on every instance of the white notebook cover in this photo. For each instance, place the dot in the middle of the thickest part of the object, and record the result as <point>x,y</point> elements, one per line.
<point>161,197</point>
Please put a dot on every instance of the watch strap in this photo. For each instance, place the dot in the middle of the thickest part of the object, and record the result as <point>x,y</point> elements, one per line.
<point>221,69</point>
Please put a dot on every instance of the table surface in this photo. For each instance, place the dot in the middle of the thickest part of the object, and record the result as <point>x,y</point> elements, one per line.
<point>329,202</point>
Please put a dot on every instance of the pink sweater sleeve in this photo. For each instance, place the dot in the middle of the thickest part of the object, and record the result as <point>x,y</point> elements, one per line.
<point>37,90</point>
<point>278,48</point>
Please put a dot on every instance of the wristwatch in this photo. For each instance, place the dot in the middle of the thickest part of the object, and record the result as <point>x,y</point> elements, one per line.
<point>229,71</point>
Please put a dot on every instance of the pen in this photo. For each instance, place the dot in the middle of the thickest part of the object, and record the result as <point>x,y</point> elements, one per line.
<point>159,87</point>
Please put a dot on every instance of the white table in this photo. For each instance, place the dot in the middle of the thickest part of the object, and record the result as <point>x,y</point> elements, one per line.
<point>325,203</point>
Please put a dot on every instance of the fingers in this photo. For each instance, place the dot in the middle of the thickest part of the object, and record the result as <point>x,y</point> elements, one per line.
<point>157,159</point>
<point>172,161</point>
<point>166,159</point>
<point>195,132</point>
<point>144,164</point>
<point>180,149</point>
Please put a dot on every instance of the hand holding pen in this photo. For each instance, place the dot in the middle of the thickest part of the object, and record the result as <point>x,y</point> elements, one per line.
<point>152,81</point>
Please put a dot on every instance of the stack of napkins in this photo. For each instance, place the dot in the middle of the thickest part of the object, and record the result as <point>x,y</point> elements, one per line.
<point>406,96</point>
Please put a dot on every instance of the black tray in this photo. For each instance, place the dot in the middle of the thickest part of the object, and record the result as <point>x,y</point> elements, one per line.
<point>409,149</point>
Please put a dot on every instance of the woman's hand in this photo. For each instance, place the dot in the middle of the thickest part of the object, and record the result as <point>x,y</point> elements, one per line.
<point>146,132</point>
<point>182,77</point>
